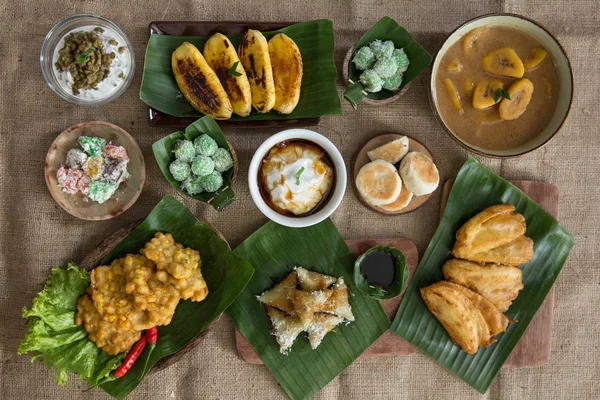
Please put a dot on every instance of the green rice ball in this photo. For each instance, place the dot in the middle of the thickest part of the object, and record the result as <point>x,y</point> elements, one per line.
<point>205,145</point>
<point>192,185</point>
<point>385,67</point>
<point>180,170</point>
<point>184,150</point>
<point>222,159</point>
<point>382,49</point>
<point>202,165</point>
<point>371,81</point>
<point>363,58</point>
<point>393,83</point>
<point>211,182</point>
<point>401,60</point>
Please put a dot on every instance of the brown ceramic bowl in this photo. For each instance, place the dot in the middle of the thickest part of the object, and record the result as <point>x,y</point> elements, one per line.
<point>555,50</point>
<point>366,100</point>
<point>77,204</point>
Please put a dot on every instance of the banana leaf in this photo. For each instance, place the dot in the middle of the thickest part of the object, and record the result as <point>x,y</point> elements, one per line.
<point>387,29</point>
<point>274,250</point>
<point>226,275</point>
<point>163,152</point>
<point>379,292</point>
<point>476,188</point>
<point>318,95</point>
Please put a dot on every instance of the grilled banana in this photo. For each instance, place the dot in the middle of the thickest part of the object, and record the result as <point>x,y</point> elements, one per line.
<point>286,62</point>
<point>254,55</point>
<point>199,83</point>
<point>221,56</point>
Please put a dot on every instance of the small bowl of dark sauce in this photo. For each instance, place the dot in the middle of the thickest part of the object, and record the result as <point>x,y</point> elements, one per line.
<point>381,272</point>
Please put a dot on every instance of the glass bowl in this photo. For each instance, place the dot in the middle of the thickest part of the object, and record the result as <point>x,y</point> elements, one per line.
<point>112,86</point>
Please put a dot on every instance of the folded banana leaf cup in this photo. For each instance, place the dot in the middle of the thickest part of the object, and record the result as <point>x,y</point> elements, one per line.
<point>318,94</point>
<point>475,189</point>
<point>385,29</point>
<point>163,152</point>
<point>66,347</point>
<point>377,291</point>
<point>274,250</point>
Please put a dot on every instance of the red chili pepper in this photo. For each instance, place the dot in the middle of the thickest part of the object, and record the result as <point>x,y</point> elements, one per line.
<point>132,356</point>
<point>152,335</point>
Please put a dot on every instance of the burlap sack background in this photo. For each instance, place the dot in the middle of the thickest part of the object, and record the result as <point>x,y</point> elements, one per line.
<point>35,234</point>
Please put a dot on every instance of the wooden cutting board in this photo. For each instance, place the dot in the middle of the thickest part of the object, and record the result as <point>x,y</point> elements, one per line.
<point>533,350</point>
<point>388,344</point>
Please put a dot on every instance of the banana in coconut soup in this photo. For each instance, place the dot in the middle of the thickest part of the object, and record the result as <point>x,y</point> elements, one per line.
<point>497,88</point>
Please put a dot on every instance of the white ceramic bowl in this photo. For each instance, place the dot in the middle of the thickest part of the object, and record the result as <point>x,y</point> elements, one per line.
<point>558,55</point>
<point>338,190</point>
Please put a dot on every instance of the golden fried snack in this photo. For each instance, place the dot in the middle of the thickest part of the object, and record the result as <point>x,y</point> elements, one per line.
<point>517,252</point>
<point>491,228</point>
<point>149,293</point>
<point>194,287</point>
<point>108,292</point>
<point>500,284</point>
<point>278,295</point>
<point>103,332</point>
<point>463,321</point>
<point>171,256</point>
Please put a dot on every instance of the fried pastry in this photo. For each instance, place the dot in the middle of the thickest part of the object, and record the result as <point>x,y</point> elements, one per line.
<point>278,296</point>
<point>491,228</point>
<point>517,252</point>
<point>338,302</point>
<point>285,328</point>
<point>311,280</point>
<point>458,312</point>
<point>500,284</point>
<point>321,325</point>
<point>306,301</point>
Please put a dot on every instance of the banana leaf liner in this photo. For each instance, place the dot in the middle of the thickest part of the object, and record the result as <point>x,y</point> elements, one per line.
<point>474,189</point>
<point>163,152</point>
<point>226,275</point>
<point>275,250</point>
<point>318,95</point>
<point>387,29</point>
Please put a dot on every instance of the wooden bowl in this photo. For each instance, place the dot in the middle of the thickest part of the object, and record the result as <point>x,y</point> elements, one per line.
<point>367,100</point>
<point>361,158</point>
<point>93,259</point>
<point>77,204</point>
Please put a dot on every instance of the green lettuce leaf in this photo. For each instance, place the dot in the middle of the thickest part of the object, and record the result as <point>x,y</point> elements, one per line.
<point>55,339</point>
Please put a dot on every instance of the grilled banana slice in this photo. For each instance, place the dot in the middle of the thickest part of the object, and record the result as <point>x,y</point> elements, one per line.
<point>484,92</point>
<point>254,55</point>
<point>286,62</point>
<point>520,95</point>
<point>199,83</point>
<point>221,56</point>
<point>504,62</point>
<point>537,56</point>
<point>453,94</point>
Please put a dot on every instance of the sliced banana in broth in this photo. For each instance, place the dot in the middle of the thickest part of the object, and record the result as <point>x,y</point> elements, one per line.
<point>520,95</point>
<point>504,62</point>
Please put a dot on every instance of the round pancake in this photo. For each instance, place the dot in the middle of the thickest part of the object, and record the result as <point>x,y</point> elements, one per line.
<point>419,173</point>
<point>378,183</point>
<point>402,201</point>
